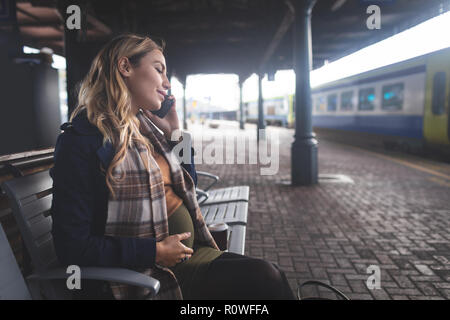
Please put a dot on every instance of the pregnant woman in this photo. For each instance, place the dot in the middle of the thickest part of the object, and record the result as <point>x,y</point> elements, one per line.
<point>120,199</point>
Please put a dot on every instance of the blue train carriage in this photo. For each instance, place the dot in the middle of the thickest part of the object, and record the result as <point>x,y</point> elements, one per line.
<point>276,110</point>
<point>404,104</point>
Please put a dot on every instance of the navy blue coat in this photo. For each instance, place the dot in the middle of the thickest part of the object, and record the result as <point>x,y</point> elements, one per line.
<point>80,200</point>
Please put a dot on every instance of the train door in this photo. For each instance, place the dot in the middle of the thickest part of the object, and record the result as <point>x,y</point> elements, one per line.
<point>437,99</point>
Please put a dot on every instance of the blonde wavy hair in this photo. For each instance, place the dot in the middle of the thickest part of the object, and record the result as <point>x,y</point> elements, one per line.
<point>107,100</point>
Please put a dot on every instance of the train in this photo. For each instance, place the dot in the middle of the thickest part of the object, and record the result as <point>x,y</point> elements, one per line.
<point>277,110</point>
<point>403,105</point>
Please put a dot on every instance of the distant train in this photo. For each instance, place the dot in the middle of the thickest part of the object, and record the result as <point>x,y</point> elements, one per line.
<point>404,104</point>
<point>277,111</point>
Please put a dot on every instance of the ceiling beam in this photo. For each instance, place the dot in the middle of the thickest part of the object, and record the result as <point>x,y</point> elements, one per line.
<point>279,34</point>
<point>211,35</point>
<point>51,23</point>
<point>35,18</point>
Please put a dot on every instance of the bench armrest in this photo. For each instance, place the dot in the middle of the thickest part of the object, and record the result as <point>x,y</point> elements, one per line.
<point>208,175</point>
<point>202,196</point>
<point>120,275</point>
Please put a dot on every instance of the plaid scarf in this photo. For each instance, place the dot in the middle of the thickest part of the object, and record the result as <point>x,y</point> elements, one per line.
<point>139,208</point>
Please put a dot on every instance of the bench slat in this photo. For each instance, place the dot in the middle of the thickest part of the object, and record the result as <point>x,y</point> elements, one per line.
<point>37,207</point>
<point>234,212</point>
<point>47,253</point>
<point>30,185</point>
<point>41,228</point>
<point>230,194</point>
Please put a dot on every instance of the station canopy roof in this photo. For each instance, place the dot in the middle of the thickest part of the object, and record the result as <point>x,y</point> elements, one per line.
<point>226,36</point>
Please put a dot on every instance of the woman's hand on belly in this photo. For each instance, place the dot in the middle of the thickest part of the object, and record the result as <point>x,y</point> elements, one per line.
<point>171,251</point>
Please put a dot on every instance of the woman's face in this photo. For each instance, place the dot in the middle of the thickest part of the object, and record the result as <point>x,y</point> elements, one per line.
<point>148,82</point>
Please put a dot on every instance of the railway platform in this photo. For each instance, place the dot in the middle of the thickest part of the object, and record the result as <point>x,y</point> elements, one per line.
<point>390,211</point>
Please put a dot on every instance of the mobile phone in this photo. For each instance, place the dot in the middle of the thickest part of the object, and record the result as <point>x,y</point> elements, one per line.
<point>165,107</point>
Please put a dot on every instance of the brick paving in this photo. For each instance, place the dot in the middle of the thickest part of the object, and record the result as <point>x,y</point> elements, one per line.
<point>393,216</point>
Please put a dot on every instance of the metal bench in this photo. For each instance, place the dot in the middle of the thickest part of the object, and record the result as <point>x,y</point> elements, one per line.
<point>229,205</point>
<point>30,198</point>
<point>14,287</point>
<point>236,238</point>
<point>230,213</point>
<point>234,214</point>
<point>12,283</point>
<point>222,195</point>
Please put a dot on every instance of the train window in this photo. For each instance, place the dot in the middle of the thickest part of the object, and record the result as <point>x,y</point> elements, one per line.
<point>271,110</point>
<point>347,100</point>
<point>320,103</point>
<point>366,99</point>
<point>332,102</point>
<point>439,84</point>
<point>393,96</point>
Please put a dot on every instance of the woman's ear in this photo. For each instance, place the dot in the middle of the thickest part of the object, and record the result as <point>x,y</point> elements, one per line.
<point>124,67</point>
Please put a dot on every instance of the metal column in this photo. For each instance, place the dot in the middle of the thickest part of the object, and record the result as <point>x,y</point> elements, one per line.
<point>261,120</point>
<point>241,105</point>
<point>304,148</point>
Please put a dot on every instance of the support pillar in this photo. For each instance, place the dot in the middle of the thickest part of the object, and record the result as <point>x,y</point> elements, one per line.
<point>304,148</point>
<point>73,72</point>
<point>261,120</point>
<point>241,105</point>
<point>78,51</point>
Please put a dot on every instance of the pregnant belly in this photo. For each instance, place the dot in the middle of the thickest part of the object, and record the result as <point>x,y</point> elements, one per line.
<point>179,222</point>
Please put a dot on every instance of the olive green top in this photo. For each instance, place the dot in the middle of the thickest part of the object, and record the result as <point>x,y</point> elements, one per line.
<point>194,269</point>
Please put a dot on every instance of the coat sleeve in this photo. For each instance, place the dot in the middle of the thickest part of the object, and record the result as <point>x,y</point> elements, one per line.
<point>73,210</point>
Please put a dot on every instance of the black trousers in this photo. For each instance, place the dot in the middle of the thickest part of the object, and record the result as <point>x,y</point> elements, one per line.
<point>236,277</point>
<point>230,277</point>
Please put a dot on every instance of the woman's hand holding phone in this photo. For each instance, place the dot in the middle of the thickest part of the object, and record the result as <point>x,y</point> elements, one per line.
<point>170,121</point>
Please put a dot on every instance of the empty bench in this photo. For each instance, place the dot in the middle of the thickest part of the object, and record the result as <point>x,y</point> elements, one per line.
<point>229,205</point>
<point>221,195</point>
